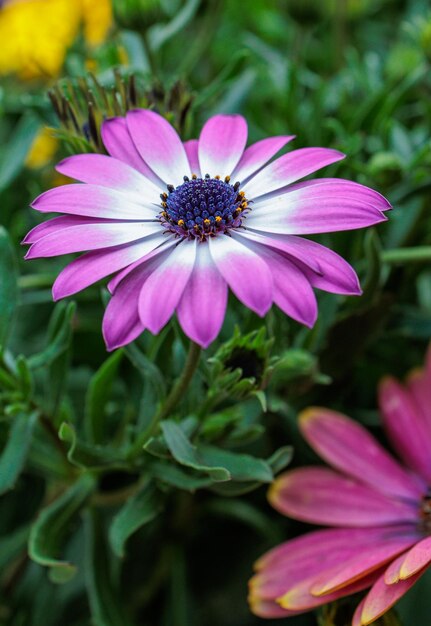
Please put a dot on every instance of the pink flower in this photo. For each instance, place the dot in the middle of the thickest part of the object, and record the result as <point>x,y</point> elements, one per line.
<point>180,223</point>
<point>380,511</point>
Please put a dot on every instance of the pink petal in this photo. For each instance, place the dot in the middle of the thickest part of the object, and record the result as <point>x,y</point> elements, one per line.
<point>361,564</point>
<point>90,237</point>
<point>299,597</point>
<point>268,609</point>
<point>416,559</point>
<point>191,148</point>
<point>202,307</point>
<point>93,201</point>
<point>406,427</point>
<point>119,144</point>
<point>382,597</point>
<point>289,244</point>
<point>331,187</point>
<point>244,271</point>
<point>221,144</point>
<point>159,145</point>
<point>292,291</point>
<point>289,168</point>
<point>257,155</point>
<point>106,171</point>
<point>322,496</point>
<point>93,266</point>
<point>356,621</point>
<point>312,215</point>
<point>162,291</point>
<point>56,224</point>
<point>347,446</point>
<point>121,322</point>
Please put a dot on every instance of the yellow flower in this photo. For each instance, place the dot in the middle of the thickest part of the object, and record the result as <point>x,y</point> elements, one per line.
<point>36,34</point>
<point>42,149</point>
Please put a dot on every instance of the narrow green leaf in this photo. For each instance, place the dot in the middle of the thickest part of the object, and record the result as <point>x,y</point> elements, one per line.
<point>186,454</point>
<point>99,391</point>
<point>12,545</point>
<point>161,33</point>
<point>50,529</point>
<point>242,467</point>
<point>8,284</point>
<point>15,453</point>
<point>141,509</point>
<point>104,599</point>
<point>84,455</point>
<point>58,336</point>
<point>280,459</point>
<point>176,477</point>
<point>12,159</point>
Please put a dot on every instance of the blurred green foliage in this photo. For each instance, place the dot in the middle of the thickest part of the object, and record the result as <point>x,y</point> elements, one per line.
<point>166,535</point>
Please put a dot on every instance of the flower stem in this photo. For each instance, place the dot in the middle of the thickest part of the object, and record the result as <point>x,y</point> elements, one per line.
<point>405,255</point>
<point>172,400</point>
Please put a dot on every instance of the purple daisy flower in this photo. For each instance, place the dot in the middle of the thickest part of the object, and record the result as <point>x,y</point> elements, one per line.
<point>180,223</point>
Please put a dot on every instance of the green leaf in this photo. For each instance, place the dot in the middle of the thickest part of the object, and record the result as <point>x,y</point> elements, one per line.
<point>186,454</point>
<point>106,606</point>
<point>176,477</point>
<point>141,509</point>
<point>8,285</point>
<point>15,453</point>
<point>12,545</point>
<point>84,455</point>
<point>59,334</point>
<point>50,529</point>
<point>99,391</point>
<point>18,146</point>
<point>161,33</point>
<point>280,459</point>
<point>242,467</point>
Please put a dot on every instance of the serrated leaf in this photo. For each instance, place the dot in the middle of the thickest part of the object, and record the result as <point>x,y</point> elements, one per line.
<point>14,455</point>
<point>50,529</point>
<point>186,454</point>
<point>8,284</point>
<point>99,391</point>
<point>12,159</point>
<point>139,510</point>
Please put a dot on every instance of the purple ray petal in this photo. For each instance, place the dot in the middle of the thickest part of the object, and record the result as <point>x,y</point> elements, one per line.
<point>90,237</point>
<point>288,169</point>
<point>106,171</point>
<point>93,201</point>
<point>382,597</point>
<point>119,144</point>
<point>349,448</point>
<point>313,215</point>
<point>244,271</point>
<point>93,266</point>
<point>56,224</point>
<point>162,291</point>
<point>322,496</point>
<point>202,307</point>
<point>159,145</point>
<point>416,559</point>
<point>257,155</point>
<point>221,144</point>
<point>191,148</point>
<point>406,427</point>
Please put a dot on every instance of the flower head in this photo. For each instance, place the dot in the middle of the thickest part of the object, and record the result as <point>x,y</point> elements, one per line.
<point>179,223</point>
<point>380,511</point>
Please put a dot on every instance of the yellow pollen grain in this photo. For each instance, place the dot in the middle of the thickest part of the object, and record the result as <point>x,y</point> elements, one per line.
<point>227,179</point>
<point>180,223</point>
<point>207,222</point>
<point>218,219</point>
<point>217,177</point>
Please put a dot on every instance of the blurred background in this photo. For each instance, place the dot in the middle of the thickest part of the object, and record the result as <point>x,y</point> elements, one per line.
<point>347,74</point>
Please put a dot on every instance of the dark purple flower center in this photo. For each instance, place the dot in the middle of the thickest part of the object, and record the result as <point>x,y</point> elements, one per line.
<point>425,513</point>
<point>203,207</point>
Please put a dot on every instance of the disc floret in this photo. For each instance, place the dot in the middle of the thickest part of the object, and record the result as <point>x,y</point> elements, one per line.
<point>203,207</point>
